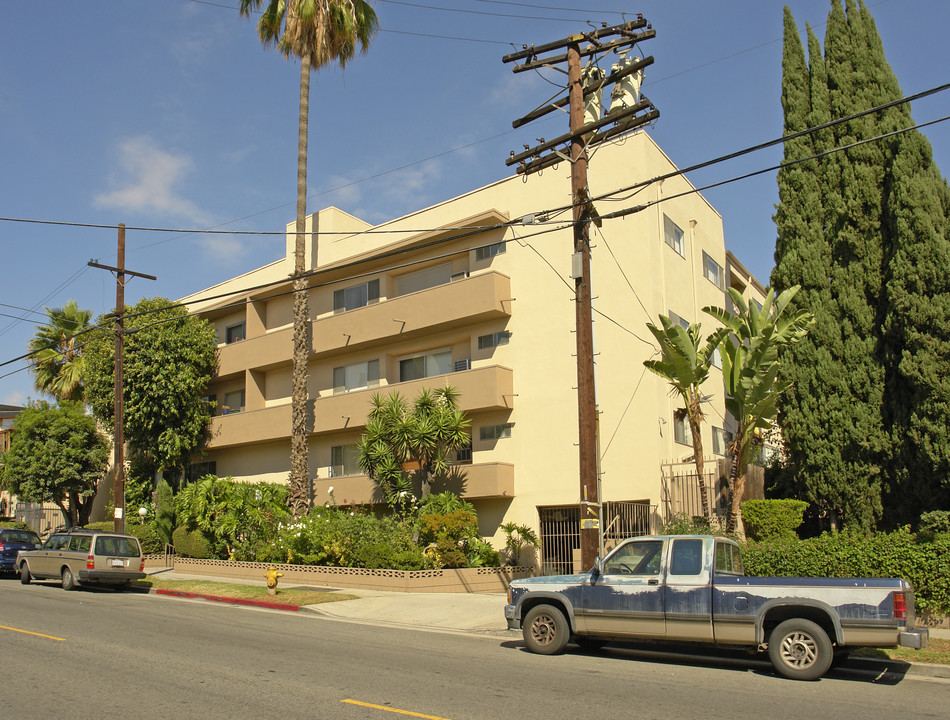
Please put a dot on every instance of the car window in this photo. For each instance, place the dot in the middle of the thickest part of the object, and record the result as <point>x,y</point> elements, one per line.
<point>635,558</point>
<point>56,542</point>
<point>728,559</point>
<point>687,557</point>
<point>117,546</point>
<point>80,543</point>
<point>23,536</point>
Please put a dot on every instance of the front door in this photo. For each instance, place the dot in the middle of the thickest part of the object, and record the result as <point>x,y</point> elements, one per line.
<point>627,597</point>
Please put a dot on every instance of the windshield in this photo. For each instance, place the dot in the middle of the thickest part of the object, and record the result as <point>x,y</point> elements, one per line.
<point>19,536</point>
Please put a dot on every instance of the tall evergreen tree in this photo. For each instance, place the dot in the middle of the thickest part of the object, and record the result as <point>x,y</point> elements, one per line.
<point>916,323</point>
<point>870,253</point>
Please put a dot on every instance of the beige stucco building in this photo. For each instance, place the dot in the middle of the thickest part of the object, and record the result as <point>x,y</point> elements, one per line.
<point>457,294</point>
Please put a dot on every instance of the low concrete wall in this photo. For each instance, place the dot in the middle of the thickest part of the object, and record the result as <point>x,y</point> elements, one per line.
<point>446,580</point>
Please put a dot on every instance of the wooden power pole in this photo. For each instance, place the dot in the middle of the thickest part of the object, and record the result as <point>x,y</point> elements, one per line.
<point>118,491</point>
<point>582,135</point>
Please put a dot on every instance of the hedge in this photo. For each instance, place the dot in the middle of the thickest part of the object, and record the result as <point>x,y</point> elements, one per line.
<point>925,563</point>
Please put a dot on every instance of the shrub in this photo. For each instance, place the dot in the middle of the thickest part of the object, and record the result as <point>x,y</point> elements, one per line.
<point>933,523</point>
<point>15,525</point>
<point>925,564</point>
<point>149,540</point>
<point>772,519</point>
<point>102,526</point>
<point>191,543</point>
<point>164,511</point>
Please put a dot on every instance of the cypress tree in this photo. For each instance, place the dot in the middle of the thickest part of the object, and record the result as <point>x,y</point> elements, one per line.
<point>872,253</point>
<point>916,323</point>
<point>809,412</point>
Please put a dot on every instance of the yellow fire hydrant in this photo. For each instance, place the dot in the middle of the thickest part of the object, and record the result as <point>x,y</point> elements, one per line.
<point>272,576</point>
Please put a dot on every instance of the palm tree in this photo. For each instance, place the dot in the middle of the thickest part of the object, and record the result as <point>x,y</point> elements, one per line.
<point>750,365</point>
<point>319,32</point>
<point>56,352</point>
<point>686,366</point>
<point>403,441</point>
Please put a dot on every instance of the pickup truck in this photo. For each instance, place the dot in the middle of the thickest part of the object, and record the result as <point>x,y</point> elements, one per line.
<point>691,588</point>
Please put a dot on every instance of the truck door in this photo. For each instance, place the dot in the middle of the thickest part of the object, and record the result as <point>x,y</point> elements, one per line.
<point>627,597</point>
<point>688,591</point>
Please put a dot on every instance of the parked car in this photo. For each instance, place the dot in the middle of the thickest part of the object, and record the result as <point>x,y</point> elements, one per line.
<point>692,588</point>
<point>80,556</point>
<point>11,542</point>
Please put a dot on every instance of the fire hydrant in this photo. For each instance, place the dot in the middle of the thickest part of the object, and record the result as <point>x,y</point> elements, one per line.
<point>272,576</point>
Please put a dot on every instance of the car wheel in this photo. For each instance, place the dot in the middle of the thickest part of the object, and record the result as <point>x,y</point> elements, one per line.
<point>69,582</point>
<point>545,630</point>
<point>800,650</point>
<point>25,574</point>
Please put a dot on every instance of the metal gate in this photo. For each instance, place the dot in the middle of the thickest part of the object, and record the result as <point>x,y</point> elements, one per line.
<point>561,534</point>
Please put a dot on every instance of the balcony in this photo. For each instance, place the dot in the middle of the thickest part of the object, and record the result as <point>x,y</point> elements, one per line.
<point>482,480</point>
<point>481,389</point>
<point>465,302</point>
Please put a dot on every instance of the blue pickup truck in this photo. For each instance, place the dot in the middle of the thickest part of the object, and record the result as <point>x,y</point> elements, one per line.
<point>691,588</point>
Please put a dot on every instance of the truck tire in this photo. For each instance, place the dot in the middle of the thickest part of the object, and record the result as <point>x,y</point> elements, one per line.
<point>800,650</point>
<point>545,630</point>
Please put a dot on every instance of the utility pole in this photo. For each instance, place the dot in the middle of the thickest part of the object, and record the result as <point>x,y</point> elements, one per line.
<point>583,134</point>
<point>118,491</point>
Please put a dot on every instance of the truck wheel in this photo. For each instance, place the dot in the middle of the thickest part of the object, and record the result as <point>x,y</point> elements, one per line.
<point>800,650</point>
<point>25,574</point>
<point>69,582</point>
<point>545,630</point>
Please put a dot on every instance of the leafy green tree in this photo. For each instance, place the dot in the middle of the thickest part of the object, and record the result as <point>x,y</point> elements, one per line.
<point>57,456</point>
<point>685,366</point>
<point>56,355</point>
<point>750,366</point>
<point>169,357</point>
<point>164,511</point>
<point>319,32</point>
<point>404,442</point>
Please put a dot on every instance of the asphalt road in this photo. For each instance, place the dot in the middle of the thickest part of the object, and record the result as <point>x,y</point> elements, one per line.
<point>99,654</point>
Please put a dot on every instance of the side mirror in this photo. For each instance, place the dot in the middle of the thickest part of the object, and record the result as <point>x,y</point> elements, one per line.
<point>597,570</point>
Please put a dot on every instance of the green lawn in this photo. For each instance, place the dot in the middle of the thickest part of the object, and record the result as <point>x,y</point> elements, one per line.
<point>937,652</point>
<point>290,596</point>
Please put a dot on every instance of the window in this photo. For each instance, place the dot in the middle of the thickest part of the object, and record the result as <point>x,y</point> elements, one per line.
<point>687,557</point>
<point>80,543</point>
<point>344,460</point>
<point>487,252</point>
<point>674,236</point>
<point>495,432</point>
<point>356,296</point>
<point>233,402</point>
<point>196,471</point>
<point>681,432</point>
<point>493,340</point>
<point>713,271</point>
<point>423,366</point>
<point>233,333</point>
<point>728,559</point>
<point>756,304</point>
<point>424,279</point>
<point>635,558</point>
<point>717,359</point>
<point>464,454</point>
<point>355,377</point>
<point>721,441</point>
<point>674,318</point>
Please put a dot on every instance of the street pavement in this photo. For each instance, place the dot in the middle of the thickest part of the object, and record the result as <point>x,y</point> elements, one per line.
<point>467,613</point>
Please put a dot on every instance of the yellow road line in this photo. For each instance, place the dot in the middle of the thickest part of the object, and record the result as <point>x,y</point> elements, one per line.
<point>27,632</point>
<point>393,710</point>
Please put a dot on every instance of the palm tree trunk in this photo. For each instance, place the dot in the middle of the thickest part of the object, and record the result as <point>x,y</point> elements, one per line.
<point>300,497</point>
<point>695,418</point>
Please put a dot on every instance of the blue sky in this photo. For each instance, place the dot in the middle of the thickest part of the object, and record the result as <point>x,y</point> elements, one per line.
<point>169,113</point>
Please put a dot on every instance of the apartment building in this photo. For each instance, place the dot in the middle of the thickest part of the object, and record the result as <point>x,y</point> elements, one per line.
<point>476,293</point>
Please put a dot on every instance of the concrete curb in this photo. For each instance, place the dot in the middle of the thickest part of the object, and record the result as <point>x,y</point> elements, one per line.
<point>228,600</point>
